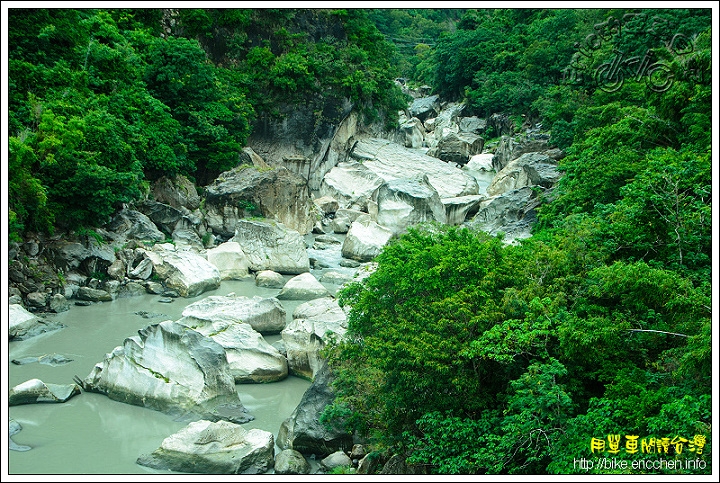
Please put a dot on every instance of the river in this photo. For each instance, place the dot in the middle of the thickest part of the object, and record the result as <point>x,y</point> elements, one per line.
<point>92,434</point>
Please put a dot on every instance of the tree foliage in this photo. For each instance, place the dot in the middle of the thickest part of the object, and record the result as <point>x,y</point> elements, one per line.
<point>471,356</point>
<point>468,354</point>
<point>104,99</point>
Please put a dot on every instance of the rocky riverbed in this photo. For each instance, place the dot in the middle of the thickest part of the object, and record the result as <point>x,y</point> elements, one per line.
<point>186,306</point>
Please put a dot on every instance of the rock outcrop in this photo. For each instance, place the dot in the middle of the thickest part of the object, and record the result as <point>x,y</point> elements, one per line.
<point>37,391</point>
<point>185,271</point>
<point>365,240</point>
<point>425,107</point>
<point>511,213</point>
<point>171,368</point>
<point>133,225</point>
<point>265,315</point>
<point>272,246</point>
<point>314,323</point>
<point>303,431</point>
<point>245,191</point>
<point>178,192</point>
<point>458,147</point>
<point>405,202</point>
<point>351,184</point>
<point>230,260</point>
<point>512,147</point>
<point>303,287</point>
<point>220,448</point>
<point>391,161</point>
<point>226,320</point>
<point>530,169</point>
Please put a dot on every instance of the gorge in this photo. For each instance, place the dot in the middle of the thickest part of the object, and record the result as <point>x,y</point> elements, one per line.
<point>444,192</point>
<point>359,241</point>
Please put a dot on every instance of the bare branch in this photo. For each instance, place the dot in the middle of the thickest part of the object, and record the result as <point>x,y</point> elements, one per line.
<point>658,331</point>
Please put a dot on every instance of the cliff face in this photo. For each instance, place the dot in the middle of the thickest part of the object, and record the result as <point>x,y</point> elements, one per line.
<point>306,143</point>
<point>308,73</point>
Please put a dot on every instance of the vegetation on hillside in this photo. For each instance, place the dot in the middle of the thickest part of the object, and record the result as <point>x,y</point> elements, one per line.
<point>102,102</point>
<point>591,339</point>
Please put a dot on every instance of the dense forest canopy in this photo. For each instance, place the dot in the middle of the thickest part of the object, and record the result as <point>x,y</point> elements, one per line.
<point>468,355</point>
<point>101,102</point>
<point>471,356</point>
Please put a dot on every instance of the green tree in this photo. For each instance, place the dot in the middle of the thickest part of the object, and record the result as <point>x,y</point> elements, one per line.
<point>413,316</point>
<point>214,117</point>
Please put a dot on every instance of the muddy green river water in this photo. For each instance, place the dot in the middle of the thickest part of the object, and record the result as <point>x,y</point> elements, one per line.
<point>92,434</point>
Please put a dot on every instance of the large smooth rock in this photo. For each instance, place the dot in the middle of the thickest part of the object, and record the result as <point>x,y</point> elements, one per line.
<point>303,431</point>
<point>303,287</point>
<point>352,184</point>
<point>291,462</point>
<point>36,391</point>
<point>406,202</point>
<point>23,324</point>
<point>264,314</point>
<point>458,147</point>
<point>272,246</point>
<point>273,193</point>
<point>187,272</point>
<point>132,224</point>
<point>230,260</point>
<point>458,209</point>
<point>365,240</point>
<point>251,358</point>
<point>530,169</point>
<point>391,161</point>
<point>425,107</point>
<point>214,448</point>
<point>269,279</point>
<point>171,368</point>
<point>314,322</point>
